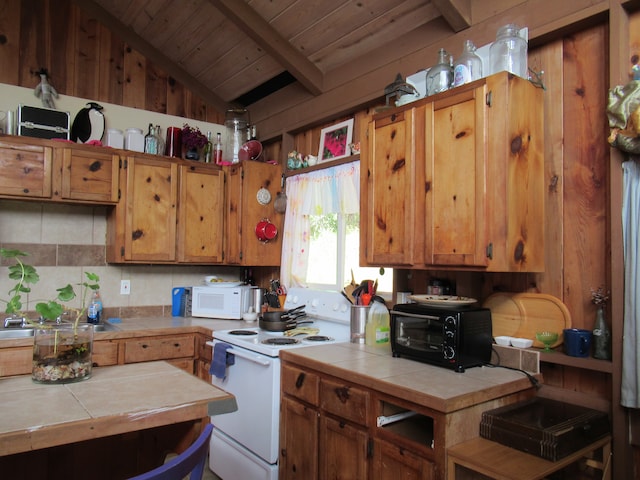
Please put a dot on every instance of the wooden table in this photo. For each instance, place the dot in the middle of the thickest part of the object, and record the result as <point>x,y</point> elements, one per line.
<point>501,462</point>
<point>116,403</point>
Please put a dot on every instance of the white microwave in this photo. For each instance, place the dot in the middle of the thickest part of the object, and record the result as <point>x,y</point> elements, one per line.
<point>220,302</point>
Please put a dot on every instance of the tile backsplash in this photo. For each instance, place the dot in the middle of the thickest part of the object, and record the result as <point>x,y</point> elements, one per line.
<point>64,241</point>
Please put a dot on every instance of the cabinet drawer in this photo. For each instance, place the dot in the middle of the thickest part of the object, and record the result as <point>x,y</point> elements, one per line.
<point>161,348</point>
<point>344,400</point>
<point>26,170</point>
<point>16,361</point>
<point>300,384</point>
<point>104,353</point>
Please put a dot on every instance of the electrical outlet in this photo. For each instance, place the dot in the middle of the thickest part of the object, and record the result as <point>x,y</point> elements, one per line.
<point>125,287</point>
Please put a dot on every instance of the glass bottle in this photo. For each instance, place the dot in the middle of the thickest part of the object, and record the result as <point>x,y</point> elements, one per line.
<point>150,142</point>
<point>601,336</point>
<point>217,149</point>
<point>440,76</point>
<point>468,67</point>
<point>236,121</point>
<point>509,52</point>
<point>159,141</point>
<point>94,311</point>
<point>208,149</point>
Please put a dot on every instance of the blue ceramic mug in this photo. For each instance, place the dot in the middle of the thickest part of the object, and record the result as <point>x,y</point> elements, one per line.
<point>577,342</point>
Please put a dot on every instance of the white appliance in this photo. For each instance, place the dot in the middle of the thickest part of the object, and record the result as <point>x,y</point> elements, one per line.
<point>244,444</point>
<point>216,301</point>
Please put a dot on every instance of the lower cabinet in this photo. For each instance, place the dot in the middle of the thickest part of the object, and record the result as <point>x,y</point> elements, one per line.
<point>329,430</point>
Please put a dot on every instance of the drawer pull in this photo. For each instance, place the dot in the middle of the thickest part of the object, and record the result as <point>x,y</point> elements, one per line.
<point>342,393</point>
<point>300,380</point>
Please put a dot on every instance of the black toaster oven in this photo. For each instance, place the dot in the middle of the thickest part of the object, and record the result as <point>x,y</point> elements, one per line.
<point>451,337</point>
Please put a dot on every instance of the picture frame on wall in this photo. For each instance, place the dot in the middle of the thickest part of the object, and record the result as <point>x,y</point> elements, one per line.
<point>335,141</point>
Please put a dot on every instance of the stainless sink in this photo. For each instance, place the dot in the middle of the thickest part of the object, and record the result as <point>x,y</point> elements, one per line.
<point>28,331</point>
<point>16,332</point>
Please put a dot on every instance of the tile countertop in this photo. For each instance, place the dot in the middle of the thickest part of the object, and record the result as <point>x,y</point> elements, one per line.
<point>438,388</point>
<point>92,408</point>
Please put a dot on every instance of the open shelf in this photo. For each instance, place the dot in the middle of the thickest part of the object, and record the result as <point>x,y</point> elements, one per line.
<point>586,363</point>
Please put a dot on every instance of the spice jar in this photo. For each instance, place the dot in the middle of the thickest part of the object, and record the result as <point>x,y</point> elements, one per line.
<point>509,52</point>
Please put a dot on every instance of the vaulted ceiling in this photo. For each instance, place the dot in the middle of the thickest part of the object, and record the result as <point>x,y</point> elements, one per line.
<point>234,52</point>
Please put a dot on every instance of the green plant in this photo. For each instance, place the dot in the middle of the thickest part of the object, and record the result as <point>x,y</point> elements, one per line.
<point>26,275</point>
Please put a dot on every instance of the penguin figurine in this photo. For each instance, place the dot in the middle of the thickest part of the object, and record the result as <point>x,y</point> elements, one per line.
<point>89,124</point>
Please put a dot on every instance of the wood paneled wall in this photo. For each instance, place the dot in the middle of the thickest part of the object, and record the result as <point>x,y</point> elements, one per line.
<point>84,59</point>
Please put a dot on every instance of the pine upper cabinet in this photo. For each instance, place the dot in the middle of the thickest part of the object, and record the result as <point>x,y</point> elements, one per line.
<point>388,189</point>
<point>86,174</point>
<point>170,212</point>
<point>26,169</point>
<point>200,214</point>
<point>474,196</point>
<point>251,190</point>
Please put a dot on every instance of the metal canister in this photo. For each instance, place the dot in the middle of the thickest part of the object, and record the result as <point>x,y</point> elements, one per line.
<point>359,314</point>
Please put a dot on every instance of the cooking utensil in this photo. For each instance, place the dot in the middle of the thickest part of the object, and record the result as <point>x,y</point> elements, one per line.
<point>280,326</point>
<point>280,203</point>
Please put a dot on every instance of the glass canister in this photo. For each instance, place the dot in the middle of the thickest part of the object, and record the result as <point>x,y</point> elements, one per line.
<point>236,121</point>
<point>468,66</point>
<point>440,76</point>
<point>509,52</point>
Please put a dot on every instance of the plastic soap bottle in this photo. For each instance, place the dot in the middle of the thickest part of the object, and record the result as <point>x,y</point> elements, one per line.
<point>94,312</point>
<point>377,329</point>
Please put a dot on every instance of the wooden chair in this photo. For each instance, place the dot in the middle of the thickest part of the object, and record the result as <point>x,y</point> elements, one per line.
<point>190,462</point>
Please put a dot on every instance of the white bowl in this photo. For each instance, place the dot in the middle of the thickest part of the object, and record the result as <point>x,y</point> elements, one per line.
<point>250,316</point>
<point>521,342</point>
<point>504,341</point>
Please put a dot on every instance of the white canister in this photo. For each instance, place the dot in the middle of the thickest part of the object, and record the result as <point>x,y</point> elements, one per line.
<point>134,140</point>
<point>115,138</point>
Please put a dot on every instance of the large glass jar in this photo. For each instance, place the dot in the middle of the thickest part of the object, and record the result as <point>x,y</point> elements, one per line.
<point>468,66</point>
<point>509,52</point>
<point>236,121</point>
<point>62,353</point>
<point>440,76</point>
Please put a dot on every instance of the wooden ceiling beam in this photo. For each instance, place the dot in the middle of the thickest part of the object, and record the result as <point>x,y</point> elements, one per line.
<point>152,54</point>
<point>261,32</point>
<point>457,13</point>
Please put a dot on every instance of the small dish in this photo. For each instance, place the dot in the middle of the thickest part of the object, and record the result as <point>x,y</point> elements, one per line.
<point>250,316</point>
<point>503,340</point>
<point>521,342</point>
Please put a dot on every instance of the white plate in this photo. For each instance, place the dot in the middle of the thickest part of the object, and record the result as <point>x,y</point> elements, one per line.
<point>219,282</point>
<point>442,300</point>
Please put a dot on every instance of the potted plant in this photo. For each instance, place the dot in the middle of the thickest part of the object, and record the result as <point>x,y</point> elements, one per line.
<point>193,140</point>
<point>63,343</point>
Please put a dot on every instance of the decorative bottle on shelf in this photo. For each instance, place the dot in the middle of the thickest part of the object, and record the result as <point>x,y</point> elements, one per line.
<point>208,149</point>
<point>94,311</point>
<point>509,52</point>
<point>150,141</point>
<point>440,76</point>
<point>601,336</point>
<point>217,149</point>
<point>468,67</point>
<point>159,141</point>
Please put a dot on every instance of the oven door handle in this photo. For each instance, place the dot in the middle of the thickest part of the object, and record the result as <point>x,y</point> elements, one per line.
<point>255,358</point>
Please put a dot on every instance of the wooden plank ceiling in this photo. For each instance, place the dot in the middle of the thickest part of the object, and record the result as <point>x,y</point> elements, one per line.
<point>225,50</point>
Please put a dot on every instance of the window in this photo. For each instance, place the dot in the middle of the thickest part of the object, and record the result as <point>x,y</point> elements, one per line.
<point>321,235</point>
<point>334,249</point>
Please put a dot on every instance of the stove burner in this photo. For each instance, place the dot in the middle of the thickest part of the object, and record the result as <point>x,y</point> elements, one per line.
<point>280,341</point>
<point>242,332</point>
<point>318,338</point>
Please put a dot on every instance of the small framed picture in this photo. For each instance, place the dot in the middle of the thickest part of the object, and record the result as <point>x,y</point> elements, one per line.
<point>335,141</point>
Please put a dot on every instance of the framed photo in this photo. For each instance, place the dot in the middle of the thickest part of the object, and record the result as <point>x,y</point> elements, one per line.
<point>335,141</point>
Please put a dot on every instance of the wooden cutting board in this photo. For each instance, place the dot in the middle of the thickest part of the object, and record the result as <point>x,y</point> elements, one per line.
<point>523,314</point>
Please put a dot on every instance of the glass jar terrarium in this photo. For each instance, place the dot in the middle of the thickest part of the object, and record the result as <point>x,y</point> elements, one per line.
<point>62,353</point>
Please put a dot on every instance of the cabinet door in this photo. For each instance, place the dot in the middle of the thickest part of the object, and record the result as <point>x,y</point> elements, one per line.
<point>151,195</point>
<point>244,212</point>
<point>26,170</point>
<point>388,191</point>
<point>343,450</point>
<point>88,176</point>
<point>298,441</point>
<point>200,214</point>
<point>396,463</point>
<point>455,179</point>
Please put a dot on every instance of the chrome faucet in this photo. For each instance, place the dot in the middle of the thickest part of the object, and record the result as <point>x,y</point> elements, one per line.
<point>14,322</point>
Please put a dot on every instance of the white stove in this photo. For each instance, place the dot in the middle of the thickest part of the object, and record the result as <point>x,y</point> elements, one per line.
<point>329,313</point>
<point>244,444</point>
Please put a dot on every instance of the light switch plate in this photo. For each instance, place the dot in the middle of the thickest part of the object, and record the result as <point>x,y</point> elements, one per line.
<point>125,287</point>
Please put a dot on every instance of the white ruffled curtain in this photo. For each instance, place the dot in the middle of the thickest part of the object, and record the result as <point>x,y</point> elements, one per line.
<point>331,190</point>
<point>630,391</point>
